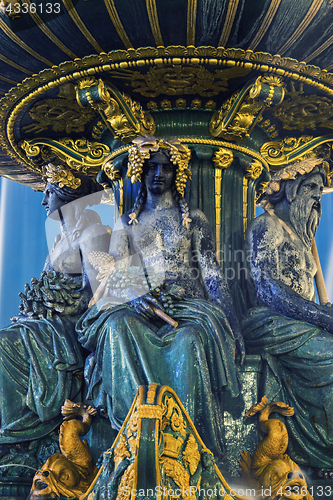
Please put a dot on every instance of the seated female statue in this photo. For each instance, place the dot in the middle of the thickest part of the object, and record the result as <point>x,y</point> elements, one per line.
<point>40,356</point>
<point>131,345</point>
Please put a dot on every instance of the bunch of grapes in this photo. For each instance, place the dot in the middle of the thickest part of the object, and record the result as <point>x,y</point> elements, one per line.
<point>135,164</point>
<point>134,277</point>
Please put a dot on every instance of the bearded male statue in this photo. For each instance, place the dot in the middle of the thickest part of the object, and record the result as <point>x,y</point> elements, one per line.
<point>285,325</point>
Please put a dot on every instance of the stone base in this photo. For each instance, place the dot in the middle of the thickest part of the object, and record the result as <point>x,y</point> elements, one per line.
<point>14,488</point>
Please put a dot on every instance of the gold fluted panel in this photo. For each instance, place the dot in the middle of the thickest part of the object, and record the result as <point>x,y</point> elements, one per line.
<point>229,21</point>
<point>6,29</point>
<point>320,49</point>
<point>154,22</point>
<point>191,21</point>
<point>15,65</point>
<point>80,24</point>
<point>265,24</point>
<point>42,26</point>
<point>315,6</point>
<point>8,80</point>
<point>112,10</point>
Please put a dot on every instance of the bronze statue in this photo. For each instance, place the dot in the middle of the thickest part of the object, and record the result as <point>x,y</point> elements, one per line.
<point>40,357</point>
<point>131,345</point>
<point>286,326</point>
<point>270,471</point>
<point>69,473</point>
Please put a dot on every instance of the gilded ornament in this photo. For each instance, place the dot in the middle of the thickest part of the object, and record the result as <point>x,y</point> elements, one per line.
<point>79,154</point>
<point>57,174</point>
<point>179,79</point>
<point>70,473</point>
<point>152,105</point>
<point>177,422</point>
<point>234,53</point>
<point>180,476</point>
<point>270,468</point>
<point>310,70</point>
<point>60,115</point>
<point>303,112</point>
<point>180,103</point>
<point>210,104</point>
<point>172,416</point>
<point>121,451</point>
<point>254,171</point>
<point>165,104</point>
<point>196,103</point>
<point>274,81</point>
<point>111,171</point>
<point>191,454</point>
<point>125,118</point>
<point>171,445</point>
<point>143,147</point>
<point>262,57</point>
<point>70,71</point>
<point>291,148</point>
<point>223,158</point>
<point>86,83</point>
<point>150,411</point>
<point>239,125</point>
<point>98,129</point>
<point>260,190</point>
<point>239,114</point>
<point>133,423</point>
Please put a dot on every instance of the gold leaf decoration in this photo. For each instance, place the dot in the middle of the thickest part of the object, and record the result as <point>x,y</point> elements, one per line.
<point>223,158</point>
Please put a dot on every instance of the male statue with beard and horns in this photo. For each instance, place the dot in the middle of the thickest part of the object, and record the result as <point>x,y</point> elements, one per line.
<point>285,325</point>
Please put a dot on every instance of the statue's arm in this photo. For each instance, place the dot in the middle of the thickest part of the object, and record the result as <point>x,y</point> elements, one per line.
<point>264,238</point>
<point>212,276</point>
<point>95,238</point>
<point>123,252</point>
<point>120,243</point>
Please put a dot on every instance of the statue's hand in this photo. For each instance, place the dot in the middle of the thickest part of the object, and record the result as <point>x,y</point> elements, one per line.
<point>146,305</point>
<point>80,305</point>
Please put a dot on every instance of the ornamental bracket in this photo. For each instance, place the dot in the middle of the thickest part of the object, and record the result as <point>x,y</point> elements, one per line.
<point>124,117</point>
<point>79,154</point>
<point>239,114</point>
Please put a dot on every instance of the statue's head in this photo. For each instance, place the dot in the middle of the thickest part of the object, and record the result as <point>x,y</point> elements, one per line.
<point>59,477</point>
<point>284,480</point>
<point>159,173</point>
<point>64,186</point>
<point>145,148</point>
<point>159,164</point>
<point>297,189</point>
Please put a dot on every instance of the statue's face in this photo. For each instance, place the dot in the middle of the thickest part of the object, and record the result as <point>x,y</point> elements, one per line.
<point>305,209</point>
<point>58,476</point>
<point>160,173</point>
<point>52,202</point>
<point>285,479</point>
<point>312,188</point>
